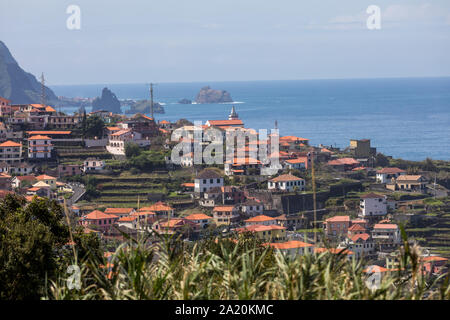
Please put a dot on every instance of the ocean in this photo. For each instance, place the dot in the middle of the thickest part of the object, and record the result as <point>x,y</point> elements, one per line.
<point>405,118</point>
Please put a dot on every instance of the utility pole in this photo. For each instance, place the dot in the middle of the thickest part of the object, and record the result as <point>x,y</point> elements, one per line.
<point>313,178</point>
<point>151,100</point>
<point>42,90</point>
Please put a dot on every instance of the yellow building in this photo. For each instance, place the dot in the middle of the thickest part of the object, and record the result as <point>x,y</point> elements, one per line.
<point>51,181</point>
<point>225,215</point>
<point>267,234</point>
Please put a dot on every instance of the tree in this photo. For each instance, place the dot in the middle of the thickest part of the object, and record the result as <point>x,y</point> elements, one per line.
<point>132,150</point>
<point>84,124</point>
<point>30,236</point>
<point>94,127</point>
<point>381,160</point>
<point>428,165</point>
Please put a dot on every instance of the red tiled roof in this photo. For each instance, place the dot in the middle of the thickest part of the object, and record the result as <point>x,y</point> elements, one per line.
<point>260,218</point>
<point>39,137</point>
<point>188,184</point>
<point>198,216</point>
<point>298,160</point>
<point>290,244</point>
<point>259,228</point>
<point>96,215</point>
<point>434,258</point>
<point>363,236</point>
<point>127,218</point>
<point>45,177</point>
<point>343,161</point>
<point>119,210</point>
<point>223,208</point>
<point>225,122</point>
<point>286,177</point>
<point>385,226</point>
<point>339,219</point>
<point>356,227</point>
<point>390,170</point>
<point>10,144</point>
<point>121,132</point>
<point>374,268</point>
<point>292,139</point>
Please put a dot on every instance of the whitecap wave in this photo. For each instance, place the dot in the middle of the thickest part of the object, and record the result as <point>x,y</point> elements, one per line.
<point>234,102</point>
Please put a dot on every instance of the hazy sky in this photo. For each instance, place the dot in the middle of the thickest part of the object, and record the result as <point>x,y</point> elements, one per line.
<point>213,40</point>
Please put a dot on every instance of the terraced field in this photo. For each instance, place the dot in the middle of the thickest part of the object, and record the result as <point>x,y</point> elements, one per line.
<point>126,189</point>
<point>436,233</point>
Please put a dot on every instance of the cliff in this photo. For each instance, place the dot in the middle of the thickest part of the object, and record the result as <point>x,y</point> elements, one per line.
<point>18,85</point>
<point>108,101</point>
<point>143,106</point>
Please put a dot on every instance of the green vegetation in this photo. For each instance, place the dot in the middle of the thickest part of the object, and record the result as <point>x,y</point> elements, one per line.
<point>33,246</point>
<point>223,270</point>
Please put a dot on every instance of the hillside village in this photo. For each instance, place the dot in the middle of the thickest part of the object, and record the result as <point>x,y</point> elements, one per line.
<point>114,175</point>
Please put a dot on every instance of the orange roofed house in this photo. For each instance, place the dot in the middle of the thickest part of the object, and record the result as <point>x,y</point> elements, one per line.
<point>343,164</point>
<point>267,234</point>
<point>410,183</point>
<point>300,163</point>
<point>242,166</point>
<point>386,174</point>
<point>49,180</point>
<point>201,219</point>
<point>386,236</point>
<point>262,220</point>
<point>293,248</point>
<point>337,226</point>
<point>161,210</point>
<point>286,182</point>
<point>40,147</point>
<point>11,152</point>
<point>292,142</point>
<point>179,226</point>
<point>226,215</point>
<point>103,221</point>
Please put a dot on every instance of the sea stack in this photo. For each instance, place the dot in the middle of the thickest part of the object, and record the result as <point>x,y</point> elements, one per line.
<point>208,95</point>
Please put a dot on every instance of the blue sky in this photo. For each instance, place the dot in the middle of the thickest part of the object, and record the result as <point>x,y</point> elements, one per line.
<point>210,40</point>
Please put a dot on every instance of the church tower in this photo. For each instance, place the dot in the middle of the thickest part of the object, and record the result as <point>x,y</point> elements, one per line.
<point>233,115</point>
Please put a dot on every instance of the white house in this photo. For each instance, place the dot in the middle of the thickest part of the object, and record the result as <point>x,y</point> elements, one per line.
<point>118,139</point>
<point>40,147</point>
<point>187,160</point>
<point>11,152</point>
<point>93,165</point>
<point>373,204</point>
<point>286,182</point>
<point>386,174</point>
<point>299,163</point>
<point>201,219</point>
<point>252,207</point>
<point>293,248</point>
<point>361,244</point>
<point>206,180</point>
<point>388,234</point>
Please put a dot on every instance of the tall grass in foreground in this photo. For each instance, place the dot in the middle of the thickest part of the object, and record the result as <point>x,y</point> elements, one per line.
<point>225,270</point>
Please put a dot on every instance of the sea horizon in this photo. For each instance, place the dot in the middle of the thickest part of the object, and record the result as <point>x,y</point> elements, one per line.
<point>404,117</point>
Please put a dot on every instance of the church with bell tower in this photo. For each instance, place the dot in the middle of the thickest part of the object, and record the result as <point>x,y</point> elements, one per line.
<point>233,115</point>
